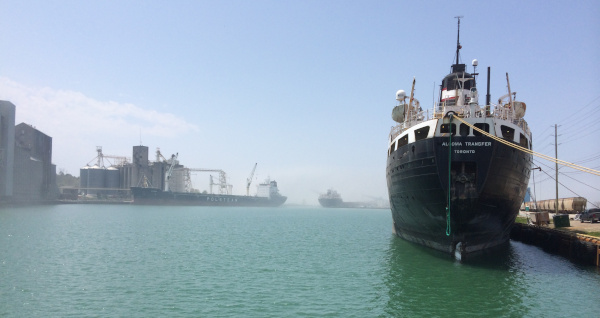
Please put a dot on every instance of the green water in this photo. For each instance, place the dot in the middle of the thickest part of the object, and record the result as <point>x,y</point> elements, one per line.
<point>130,261</point>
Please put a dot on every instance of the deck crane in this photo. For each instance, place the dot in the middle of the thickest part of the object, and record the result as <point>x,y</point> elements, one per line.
<point>511,95</point>
<point>249,180</point>
<point>224,188</point>
<point>170,171</point>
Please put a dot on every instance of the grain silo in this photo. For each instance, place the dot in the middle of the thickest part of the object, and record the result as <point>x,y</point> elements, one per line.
<point>96,177</point>
<point>177,180</point>
<point>112,177</point>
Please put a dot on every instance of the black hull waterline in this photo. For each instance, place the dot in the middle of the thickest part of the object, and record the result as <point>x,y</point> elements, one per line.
<point>153,196</point>
<point>488,181</point>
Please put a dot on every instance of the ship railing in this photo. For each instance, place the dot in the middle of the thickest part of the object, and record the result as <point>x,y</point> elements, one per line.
<point>395,131</point>
<point>502,112</point>
<point>523,125</point>
<point>414,119</point>
<point>463,111</point>
<point>466,111</point>
<point>478,111</point>
<point>506,113</point>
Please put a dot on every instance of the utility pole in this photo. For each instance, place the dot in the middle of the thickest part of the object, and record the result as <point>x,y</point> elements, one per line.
<point>534,193</point>
<point>556,164</point>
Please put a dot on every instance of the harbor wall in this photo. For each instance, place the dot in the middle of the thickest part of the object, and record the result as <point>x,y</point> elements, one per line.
<point>577,247</point>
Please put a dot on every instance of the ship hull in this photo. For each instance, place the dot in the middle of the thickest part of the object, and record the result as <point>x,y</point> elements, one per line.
<point>153,196</point>
<point>331,203</point>
<point>339,203</point>
<point>486,182</point>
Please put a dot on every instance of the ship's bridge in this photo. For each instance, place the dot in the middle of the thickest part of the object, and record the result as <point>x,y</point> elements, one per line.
<point>455,83</point>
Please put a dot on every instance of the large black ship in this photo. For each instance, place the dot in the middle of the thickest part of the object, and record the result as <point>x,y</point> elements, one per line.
<point>457,173</point>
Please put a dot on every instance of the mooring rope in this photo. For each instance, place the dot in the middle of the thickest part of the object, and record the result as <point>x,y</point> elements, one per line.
<point>448,229</point>
<point>531,152</point>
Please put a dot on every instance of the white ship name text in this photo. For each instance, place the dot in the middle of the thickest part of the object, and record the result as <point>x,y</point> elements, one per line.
<point>468,143</point>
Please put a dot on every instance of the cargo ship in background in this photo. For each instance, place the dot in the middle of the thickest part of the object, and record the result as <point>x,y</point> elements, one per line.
<point>163,181</point>
<point>332,199</point>
<point>267,196</point>
<point>177,190</point>
<point>457,173</point>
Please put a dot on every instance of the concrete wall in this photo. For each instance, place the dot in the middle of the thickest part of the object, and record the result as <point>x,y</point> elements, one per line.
<point>7,149</point>
<point>34,174</point>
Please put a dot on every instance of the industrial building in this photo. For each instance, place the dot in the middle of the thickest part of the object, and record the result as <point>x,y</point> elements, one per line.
<point>109,176</point>
<point>27,175</point>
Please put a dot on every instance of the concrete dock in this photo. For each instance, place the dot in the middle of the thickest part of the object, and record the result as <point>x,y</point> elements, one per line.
<point>562,241</point>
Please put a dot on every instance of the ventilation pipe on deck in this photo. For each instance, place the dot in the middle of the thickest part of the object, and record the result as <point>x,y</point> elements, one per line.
<point>488,97</point>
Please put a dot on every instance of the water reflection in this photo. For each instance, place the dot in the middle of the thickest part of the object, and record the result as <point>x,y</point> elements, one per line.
<point>424,282</point>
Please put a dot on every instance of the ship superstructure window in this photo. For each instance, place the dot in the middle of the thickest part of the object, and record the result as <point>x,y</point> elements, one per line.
<point>507,133</point>
<point>464,130</point>
<point>447,128</point>
<point>523,141</point>
<point>403,141</point>
<point>483,126</point>
<point>450,102</point>
<point>421,133</point>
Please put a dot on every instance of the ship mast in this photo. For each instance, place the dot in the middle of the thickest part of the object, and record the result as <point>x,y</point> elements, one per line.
<point>458,47</point>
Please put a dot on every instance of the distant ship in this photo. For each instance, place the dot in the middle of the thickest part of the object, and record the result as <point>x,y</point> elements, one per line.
<point>268,196</point>
<point>331,199</point>
<point>457,173</point>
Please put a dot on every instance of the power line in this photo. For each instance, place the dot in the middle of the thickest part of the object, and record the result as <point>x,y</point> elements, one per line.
<point>542,133</point>
<point>562,174</point>
<point>596,156</point>
<point>586,120</point>
<point>581,136</point>
<point>548,177</point>
<point>528,151</point>
<point>544,147</point>
<point>562,184</point>
<point>578,112</point>
<point>590,114</point>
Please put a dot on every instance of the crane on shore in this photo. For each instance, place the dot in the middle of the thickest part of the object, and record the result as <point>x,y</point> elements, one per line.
<point>249,180</point>
<point>119,160</point>
<point>173,162</point>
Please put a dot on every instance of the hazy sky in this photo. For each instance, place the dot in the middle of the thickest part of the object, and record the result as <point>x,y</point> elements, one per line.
<point>303,88</point>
